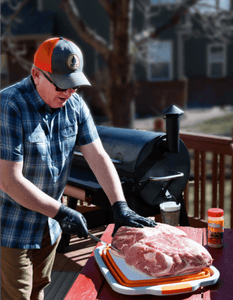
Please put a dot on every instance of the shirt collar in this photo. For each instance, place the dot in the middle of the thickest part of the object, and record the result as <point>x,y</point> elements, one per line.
<point>34,97</point>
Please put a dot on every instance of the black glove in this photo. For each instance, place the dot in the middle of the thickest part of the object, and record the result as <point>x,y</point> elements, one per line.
<point>71,221</point>
<point>124,216</point>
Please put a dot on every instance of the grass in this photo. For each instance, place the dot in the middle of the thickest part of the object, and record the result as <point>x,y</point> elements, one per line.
<point>217,126</point>
<point>220,126</point>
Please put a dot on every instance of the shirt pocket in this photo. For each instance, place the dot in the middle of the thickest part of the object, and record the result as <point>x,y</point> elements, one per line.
<point>69,135</point>
<point>69,131</point>
<point>38,143</point>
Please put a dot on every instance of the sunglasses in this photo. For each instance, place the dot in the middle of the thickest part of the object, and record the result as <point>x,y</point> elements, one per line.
<point>56,87</point>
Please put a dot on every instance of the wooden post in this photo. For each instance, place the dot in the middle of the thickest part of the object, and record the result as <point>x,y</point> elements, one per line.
<point>196,184</point>
<point>215,180</point>
<point>203,183</point>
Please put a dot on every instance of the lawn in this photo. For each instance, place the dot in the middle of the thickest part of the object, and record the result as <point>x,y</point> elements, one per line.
<point>218,126</point>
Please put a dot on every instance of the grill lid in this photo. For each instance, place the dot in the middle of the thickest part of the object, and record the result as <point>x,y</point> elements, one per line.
<point>129,148</point>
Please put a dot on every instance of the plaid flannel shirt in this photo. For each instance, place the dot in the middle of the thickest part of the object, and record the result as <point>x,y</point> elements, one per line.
<point>44,140</point>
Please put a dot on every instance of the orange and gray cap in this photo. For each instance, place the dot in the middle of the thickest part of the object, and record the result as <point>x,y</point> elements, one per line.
<point>63,60</point>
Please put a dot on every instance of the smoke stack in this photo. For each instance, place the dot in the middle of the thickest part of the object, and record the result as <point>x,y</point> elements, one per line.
<point>172,115</point>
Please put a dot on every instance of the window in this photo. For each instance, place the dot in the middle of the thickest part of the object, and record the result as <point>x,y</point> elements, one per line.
<point>216,60</point>
<point>160,61</point>
<point>164,2</point>
<point>210,6</point>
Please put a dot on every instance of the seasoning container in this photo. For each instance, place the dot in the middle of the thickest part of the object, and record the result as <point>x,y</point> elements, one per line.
<point>215,227</point>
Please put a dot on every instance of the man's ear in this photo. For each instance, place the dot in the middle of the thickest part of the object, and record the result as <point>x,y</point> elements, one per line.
<point>35,75</point>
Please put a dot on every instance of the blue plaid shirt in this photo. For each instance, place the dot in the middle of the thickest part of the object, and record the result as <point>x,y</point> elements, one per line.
<point>44,140</point>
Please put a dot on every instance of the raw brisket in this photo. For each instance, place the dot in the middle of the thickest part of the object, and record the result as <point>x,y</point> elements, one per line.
<point>161,251</point>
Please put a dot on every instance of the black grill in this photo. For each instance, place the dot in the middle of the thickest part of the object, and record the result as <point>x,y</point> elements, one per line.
<point>153,167</point>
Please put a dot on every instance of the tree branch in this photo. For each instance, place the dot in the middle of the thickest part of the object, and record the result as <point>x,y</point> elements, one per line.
<point>17,54</point>
<point>175,19</point>
<point>183,9</point>
<point>87,34</point>
<point>13,16</point>
<point>8,43</point>
<point>107,6</point>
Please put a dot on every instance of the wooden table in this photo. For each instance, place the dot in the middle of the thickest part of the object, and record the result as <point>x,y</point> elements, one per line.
<point>91,284</point>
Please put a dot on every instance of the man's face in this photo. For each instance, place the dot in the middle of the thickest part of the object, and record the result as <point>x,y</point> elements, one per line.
<point>47,91</point>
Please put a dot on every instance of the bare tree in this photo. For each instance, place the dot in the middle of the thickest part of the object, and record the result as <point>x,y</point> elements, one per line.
<point>125,47</point>
<point>7,39</point>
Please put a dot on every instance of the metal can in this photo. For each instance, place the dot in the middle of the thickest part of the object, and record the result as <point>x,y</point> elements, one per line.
<point>215,227</point>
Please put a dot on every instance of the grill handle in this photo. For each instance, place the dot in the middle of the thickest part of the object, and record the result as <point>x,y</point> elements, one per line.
<point>166,178</point>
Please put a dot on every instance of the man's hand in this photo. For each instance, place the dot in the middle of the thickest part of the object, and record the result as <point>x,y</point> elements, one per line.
<point>124,216</point>
<point>71,221</point>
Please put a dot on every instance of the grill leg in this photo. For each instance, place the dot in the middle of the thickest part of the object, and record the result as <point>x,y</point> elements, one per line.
<point>184,221</point>
<point>101,200</point>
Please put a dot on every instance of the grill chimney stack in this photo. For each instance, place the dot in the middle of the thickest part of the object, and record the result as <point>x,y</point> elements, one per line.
<point>172,114</point>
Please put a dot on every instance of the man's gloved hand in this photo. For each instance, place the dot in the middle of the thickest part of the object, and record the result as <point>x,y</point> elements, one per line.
<point>124,216</point>
<point>71,221</point>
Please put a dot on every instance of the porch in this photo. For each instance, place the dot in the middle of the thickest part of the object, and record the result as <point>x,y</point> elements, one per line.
<point>210,185</point>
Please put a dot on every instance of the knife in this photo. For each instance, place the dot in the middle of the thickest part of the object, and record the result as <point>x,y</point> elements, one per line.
<point>104,243</point>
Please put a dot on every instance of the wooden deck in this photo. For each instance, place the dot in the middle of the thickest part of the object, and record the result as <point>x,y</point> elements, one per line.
<point>68,265</point>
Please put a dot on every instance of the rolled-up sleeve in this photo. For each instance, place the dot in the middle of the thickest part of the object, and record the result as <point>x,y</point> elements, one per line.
<point>87,130</point>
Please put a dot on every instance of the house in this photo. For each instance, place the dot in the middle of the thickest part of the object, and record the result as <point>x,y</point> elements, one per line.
<point>180,70</point>
<point>183,63</point>
<point>209,68</point>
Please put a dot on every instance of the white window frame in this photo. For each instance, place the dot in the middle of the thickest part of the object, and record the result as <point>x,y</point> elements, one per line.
<point>165,2</point>
<point>151,61</point>
<point>212,60</point>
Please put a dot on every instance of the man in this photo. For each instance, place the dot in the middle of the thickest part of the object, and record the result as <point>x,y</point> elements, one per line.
<point>42,119</point>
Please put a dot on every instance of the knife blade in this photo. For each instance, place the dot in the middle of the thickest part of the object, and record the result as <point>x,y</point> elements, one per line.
<point>103,243</point>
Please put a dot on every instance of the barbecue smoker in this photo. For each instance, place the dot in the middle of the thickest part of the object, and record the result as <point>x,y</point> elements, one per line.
<point>153,167</point>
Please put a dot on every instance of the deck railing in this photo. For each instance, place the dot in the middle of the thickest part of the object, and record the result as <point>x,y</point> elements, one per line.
<point>212,172</point>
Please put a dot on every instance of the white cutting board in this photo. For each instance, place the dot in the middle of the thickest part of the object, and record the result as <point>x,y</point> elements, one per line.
<point>132,274</point>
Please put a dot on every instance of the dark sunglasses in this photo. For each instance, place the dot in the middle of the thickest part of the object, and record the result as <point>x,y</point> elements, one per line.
<point>56,87</point>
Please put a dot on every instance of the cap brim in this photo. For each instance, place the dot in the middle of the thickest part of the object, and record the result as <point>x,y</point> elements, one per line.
<point>67,81</point>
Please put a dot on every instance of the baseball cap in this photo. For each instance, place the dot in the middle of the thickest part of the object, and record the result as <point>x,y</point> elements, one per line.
<point>63,60</point>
